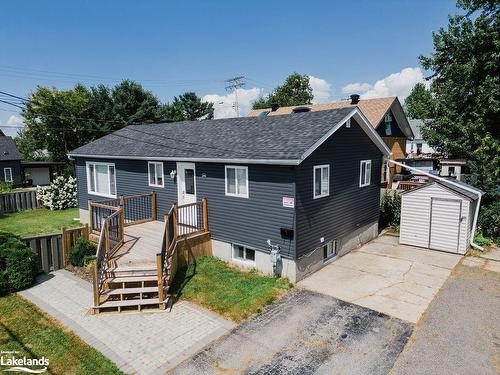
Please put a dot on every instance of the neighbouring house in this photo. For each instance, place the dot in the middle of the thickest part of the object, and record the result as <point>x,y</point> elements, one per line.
<point>455,168</point>
<point>418,146</point>
<point>23,173</point>
<point>386,115</point>
<point>10,162</point>
<point>307,182</point>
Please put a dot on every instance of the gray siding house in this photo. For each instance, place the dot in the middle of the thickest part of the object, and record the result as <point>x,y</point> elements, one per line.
<point>307,182</point>
<point>10,162</point>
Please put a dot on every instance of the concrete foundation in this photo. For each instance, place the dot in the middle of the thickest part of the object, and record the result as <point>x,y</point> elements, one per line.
<point>84,216</point>
<point>298,269</point>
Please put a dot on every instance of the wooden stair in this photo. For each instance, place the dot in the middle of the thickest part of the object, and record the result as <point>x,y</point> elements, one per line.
<point>130,288</point>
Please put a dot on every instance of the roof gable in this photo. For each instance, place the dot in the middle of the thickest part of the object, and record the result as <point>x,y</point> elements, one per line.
<point>8,149</point>
<point>267,140</point>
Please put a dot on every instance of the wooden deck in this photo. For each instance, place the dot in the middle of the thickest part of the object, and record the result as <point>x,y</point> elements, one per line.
<point>141,244</point>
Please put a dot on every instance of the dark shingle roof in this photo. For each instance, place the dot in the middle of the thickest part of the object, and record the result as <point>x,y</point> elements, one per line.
<point>257,138</point>
<point>8,149</point>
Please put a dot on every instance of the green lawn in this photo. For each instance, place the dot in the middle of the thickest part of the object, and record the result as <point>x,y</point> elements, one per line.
<point>28,331</point>
<point>40,221</point>
<point>226,290</point>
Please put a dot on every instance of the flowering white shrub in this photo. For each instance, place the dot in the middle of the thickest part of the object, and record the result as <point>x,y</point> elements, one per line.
<point>60,194</point>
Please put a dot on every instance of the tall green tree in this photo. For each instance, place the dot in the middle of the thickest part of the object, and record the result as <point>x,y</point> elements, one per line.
<point>187,106</point>
<point>419,104</point>
<point>296,90</point>
<point>466,91</point>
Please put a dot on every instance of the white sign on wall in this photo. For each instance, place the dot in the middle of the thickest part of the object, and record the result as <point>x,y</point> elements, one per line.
<point>289,202</point>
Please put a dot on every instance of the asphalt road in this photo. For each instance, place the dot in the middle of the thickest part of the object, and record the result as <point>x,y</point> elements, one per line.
<point>460,332</point>
<point>306,333</point>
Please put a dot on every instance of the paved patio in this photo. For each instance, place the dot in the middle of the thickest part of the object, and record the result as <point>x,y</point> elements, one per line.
<point>385,276</point>
<point>141,343</point>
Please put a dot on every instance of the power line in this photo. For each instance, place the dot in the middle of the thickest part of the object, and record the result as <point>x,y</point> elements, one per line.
<point>233,84</point>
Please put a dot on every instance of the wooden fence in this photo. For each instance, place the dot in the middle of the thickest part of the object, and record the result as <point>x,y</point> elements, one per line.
<point>18,201</point>
<point>52,249</point>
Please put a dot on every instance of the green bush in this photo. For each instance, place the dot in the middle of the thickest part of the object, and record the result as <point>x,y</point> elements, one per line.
<point>489,221</point>
<point>17,264</point>
<point>5,187</point>
<point>82,249</point>
<point>390,210</point>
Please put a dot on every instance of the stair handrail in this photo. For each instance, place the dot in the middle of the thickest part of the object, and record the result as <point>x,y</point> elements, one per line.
<point>105,250</point>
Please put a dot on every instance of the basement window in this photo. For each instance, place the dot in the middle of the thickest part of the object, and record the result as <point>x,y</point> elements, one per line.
<point>330,250</point>
<point>365,173</point>
<point>243,254</point>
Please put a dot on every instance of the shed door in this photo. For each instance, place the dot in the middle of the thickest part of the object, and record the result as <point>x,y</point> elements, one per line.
<point>444,231</point>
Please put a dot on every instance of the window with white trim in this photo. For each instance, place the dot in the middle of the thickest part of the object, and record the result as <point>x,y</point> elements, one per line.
<point>7,174</point>
<point>243,254</point>
<point>330,250</point>
<point>321,181</point>
<point>237,181</point>
<point>365,173</point>
<point>155,172</point>
<point>101,179</point>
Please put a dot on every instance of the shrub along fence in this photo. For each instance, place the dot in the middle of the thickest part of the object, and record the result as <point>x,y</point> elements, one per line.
<point>19,201</point>
<point>53,249</point>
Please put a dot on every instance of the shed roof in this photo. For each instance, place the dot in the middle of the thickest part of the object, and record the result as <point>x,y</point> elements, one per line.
<point>457,186</point>
<point>8,149</point>
<point>273,140</point>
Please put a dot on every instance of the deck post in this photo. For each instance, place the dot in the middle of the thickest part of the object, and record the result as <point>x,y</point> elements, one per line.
<point>95,282</point>
<point>153,205</point>
<point>85,231</point>
<point>64,242</point>
<point>174,218</point>
<point>167,233</point>
<point>90,215</point>
<point>159,272</point>
<point>204,213</point>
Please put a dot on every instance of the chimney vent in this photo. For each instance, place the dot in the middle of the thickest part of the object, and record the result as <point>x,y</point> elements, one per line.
<point>301,109</point>
<point>274,107</point>
<point>354,99</point>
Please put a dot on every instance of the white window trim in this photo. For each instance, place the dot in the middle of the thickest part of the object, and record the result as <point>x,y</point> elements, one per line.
<point>243,261</point>
<point>155,163</point>
<point>335,248</point>
<point>5,174</point>
<point>363,183</point>
<point>314,181</point>
<point>236,177</point>
<point>109,186</point>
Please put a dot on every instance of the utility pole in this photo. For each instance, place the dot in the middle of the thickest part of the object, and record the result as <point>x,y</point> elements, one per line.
<point>233,85</point>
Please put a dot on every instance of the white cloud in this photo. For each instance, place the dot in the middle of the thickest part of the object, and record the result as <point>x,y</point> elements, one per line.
<point>12,125</point>
<point>321,89</point>
<point>223,104</point>
<point>396,84</point>
<point>356,88</point>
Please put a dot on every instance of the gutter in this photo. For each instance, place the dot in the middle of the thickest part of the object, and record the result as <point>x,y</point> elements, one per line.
<point>476,214</point>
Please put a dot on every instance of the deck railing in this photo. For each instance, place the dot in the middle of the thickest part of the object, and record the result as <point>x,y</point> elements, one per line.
<point>136,209</point>
<point>408,185</point>
<point>110,239</point>
<point>180,223</point>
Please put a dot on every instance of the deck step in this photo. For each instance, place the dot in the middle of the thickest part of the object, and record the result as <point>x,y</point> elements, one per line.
<point>131,279</point>
<point>126,273</point>
<point>115,292</point>
<point>129,302</point>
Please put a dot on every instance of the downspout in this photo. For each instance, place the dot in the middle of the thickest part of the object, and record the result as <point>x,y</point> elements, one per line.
<point>476,214</point>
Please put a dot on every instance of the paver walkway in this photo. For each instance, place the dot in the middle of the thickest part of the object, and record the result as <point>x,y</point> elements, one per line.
<point>141,343</point>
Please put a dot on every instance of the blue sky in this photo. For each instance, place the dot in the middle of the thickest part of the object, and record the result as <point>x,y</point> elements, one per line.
<point>176,46</point>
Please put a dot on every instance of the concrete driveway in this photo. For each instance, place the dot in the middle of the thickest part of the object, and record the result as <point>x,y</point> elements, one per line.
<point>385,276</point>
<point>306,333</point>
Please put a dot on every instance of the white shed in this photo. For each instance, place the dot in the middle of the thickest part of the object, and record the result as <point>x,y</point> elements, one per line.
<point>439,215</point>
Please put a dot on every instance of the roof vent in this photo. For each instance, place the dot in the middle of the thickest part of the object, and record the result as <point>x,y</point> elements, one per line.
<point>274,107</point>
<point>354,98</point>
<point>301,109</point>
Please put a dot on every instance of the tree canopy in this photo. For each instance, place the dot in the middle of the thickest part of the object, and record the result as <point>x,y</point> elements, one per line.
<point>59,121</point>
<point>296,90</point>
<point>419,104</point>
<point>466,91</point>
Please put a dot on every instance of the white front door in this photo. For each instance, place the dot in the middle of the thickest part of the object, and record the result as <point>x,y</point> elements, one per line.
<point>186,183</point>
